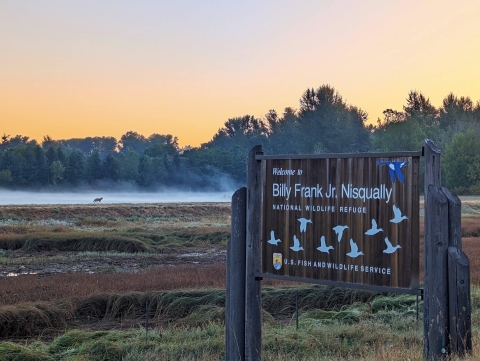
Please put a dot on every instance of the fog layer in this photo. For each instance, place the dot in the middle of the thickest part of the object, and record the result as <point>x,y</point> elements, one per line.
<point>22,197</point>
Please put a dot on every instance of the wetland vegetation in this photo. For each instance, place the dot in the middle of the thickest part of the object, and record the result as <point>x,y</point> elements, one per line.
<point>78,282</point>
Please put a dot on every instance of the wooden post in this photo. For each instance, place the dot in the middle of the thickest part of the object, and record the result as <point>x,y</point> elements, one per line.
<point>435,304</point>
<point>459,301</point>
<point>432,164</point>
<point>432,167</point>
<point>253,292</point>
<point>454,219</point>
<point>235,292</point>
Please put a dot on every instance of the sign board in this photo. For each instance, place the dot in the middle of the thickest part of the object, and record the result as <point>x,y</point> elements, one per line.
<point>342,219</point>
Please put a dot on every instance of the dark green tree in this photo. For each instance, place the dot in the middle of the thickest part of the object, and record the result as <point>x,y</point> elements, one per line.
<point>104,145</point>
<point>111,169</point>
<point>244,132</point>
<point>6,179</point>
<point>164,148</point>
<point>397,133</point>
<point>328,125</point>
<point>132,141</point>
<point>456,115</point>
<point>403,136</point>
<point>21,161</point>
<point>93,167</point>
<point>43,173</point>
<point>62,156</point>
<point>284,133</point>
<point>128,166</point>
<point>56,172</point>
<point>426,115</point>
<point>51,155</point>
<point>19,140</point>
<point>461,162</point>
<point>455,110</point>
<point>145,176</point>
<point>49,142</point>
<point>75,170</point>
<point>5,142</point>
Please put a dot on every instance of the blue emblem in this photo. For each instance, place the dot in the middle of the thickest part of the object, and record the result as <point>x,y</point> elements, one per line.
<point>277,261</point>
<point>395,169</point>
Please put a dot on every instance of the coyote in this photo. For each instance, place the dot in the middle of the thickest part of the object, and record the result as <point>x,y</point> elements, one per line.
<point>97,200</point>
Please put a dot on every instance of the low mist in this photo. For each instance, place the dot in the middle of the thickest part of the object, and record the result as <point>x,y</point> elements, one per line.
<point>8,197</point>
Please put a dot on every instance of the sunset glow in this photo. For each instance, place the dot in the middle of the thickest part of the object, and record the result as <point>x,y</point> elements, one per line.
<point>87,68</point>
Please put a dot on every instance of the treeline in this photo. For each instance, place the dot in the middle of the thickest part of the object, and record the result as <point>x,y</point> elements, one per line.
<point>323,123</point>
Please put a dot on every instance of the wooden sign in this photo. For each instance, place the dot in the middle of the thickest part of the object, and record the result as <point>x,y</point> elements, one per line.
<point>338,219</point>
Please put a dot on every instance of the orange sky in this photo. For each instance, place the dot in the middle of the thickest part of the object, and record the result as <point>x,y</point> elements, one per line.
<point>90,68</point>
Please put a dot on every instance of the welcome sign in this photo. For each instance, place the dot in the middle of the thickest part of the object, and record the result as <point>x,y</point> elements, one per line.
<point>338,219</point>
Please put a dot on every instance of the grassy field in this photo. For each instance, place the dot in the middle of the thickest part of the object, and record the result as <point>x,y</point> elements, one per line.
<point>78,283</point>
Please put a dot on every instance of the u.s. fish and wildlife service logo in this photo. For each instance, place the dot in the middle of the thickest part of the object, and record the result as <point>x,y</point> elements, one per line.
<point>277,261</point>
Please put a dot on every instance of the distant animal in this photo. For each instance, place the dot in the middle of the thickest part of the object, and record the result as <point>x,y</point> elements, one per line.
<point>354,252</point>
<point>296,245</point>
<point>395,169</point>
<point>374,229</point>
<point>97,200</point>
<point>398,215</point>
<point>339,231</point>
<point>390,248</point>
<point>303,224</point>
<point>323,247</point>
<point>272,239</point>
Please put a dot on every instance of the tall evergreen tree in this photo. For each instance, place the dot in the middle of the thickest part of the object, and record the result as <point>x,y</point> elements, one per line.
<point>328,125</point>
<point>93,167</point>
<point>56,172</point>
<point>110,168</point>
<point>128,166</point>
<point>426,115</point>
<point>75,170</point>
<point>42,174</point>
<point>132,141</point>
<point>461,162</point>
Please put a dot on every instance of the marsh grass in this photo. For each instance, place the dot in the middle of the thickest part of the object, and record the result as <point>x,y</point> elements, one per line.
<point>470,227</point>
<point>189,325</point>
<point>57,287</point>
<point>187,303</point>
<point>384,328</point>
<point>197,325</point>
<point>132,240</point>
<point>25,320</point>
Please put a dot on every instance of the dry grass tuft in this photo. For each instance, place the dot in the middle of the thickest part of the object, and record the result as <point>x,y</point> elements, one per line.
<point>31,288</point>
<point>471,247</point>
<point>470,227</point>
<point>27,320</point>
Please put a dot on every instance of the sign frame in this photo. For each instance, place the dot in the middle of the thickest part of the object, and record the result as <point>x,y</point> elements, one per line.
<point>319,190</point>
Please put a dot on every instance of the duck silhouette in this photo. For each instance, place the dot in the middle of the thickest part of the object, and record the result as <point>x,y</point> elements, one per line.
<point>395,169</point>
<point>272,239</point>
<point>339,231</point>
<point>354,253</point>
<point>323,247</point>
<point>303,223</point>
<point>398,215</point>
<point>390,248</point>
<point>374,229</point>
<point>296,245</point>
